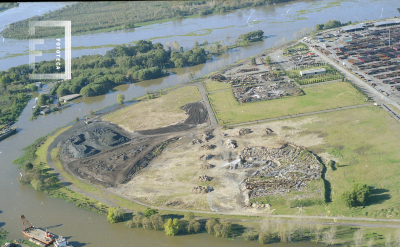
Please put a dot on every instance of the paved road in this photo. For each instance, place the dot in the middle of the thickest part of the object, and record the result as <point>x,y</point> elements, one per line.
<point>301,115</point>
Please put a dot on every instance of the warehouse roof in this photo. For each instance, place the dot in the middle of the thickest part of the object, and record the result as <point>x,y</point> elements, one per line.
<point>353,27</point>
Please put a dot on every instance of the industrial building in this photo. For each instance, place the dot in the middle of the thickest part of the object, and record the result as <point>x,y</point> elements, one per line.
<point>353,28</point>
<point>313,71</point>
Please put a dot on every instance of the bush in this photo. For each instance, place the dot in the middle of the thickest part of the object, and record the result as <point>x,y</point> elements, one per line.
<point>149,212</point>
<point>210,225</point>
<point>137,221</point>
<point>115,215</point>
<point>157,222</point>
<point>28,166</point>
<point>193,226</point>
<point>120,98</point>
<point>172,227</point>
<point>146,223</point>
<point>264,238</point>
<point>37,184</point>
<point>305,202</point>
<point>250,236</point>
<point>358,195</point>
<point>189,215</point>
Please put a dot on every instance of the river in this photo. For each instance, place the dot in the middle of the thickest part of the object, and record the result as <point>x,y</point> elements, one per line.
<point>280,23</point>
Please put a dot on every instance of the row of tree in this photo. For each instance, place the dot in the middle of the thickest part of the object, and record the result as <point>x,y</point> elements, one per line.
<point>331,24</point>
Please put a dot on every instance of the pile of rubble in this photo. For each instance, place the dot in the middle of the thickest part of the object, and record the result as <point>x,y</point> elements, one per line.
<point>244,131</point>
<point>268,131</point>
<point>207,147</point>
<point>207,136</point>
<point>204,178</point>
<point>205,157</point>
<point>196,141</point>
<point>201,189</point>
<point>264,92</point>
<point>260,206</point>
<point>276,171</point>
<point>206,166</point>
<point>230,143</point>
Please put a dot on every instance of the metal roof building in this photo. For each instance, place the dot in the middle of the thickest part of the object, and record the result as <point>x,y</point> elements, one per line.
<point>384,23</point>
<point>313,71</point>
<point>352,28</point>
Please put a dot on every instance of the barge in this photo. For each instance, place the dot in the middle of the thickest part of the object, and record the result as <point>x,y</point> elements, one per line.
<point>36,235</point>
<point>7,132</point>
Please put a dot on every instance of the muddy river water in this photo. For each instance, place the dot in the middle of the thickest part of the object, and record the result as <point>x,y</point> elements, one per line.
<point>280,23</point>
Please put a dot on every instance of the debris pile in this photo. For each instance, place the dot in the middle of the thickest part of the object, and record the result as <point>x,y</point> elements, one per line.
<point>265,92</point>
<point>201,189</point>
<point>207,147</point>
<point>244,131</point>
<point>260,206</point>
<point>207,136</point>
<point>205,157</point>
<point>204,178</point>
<point>218,77</point>
<point>276,170</point>
<point>196,141</point>
<point>268,131</point>
<point>230,143</point>
<point>206,166</point>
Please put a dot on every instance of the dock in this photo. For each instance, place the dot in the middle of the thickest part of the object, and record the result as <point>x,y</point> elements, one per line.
<point>69,97</point>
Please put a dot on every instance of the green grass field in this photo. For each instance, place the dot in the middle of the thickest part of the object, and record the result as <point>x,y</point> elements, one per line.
<point>229,111</point>
<point>212,85</point>
<point>365,143</point>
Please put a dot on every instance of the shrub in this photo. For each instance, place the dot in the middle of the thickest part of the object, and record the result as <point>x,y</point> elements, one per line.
<point>250,236</point>
<point>28,166</point>
<point>146,223</point>
<point>137,221</point>
<point>193,226</point>
<point>172,227</point>
<point>115,215</point>
<point>264,238</point>
<point>210,225</point>
<point>149,212</point>
<point>37,184</point>
<point>157,222</point>
<point>358,195</point>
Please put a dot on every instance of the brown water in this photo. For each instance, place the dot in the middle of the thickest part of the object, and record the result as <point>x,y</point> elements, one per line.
<point>280,22</point>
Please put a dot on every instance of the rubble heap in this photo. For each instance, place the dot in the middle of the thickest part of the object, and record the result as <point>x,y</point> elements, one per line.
<point>201,189</point>
<point>204,178</point>
<point>196,141</point>
<point>268,131</point>
<point>244,131</point>
<point>218,77</point>
<point>265,92</point>
<point>206,166</point>
<point>207,136</point>
<point>205,157</point>
<point>207,147</point>
<point>277,171</point>
<point>230,143</point>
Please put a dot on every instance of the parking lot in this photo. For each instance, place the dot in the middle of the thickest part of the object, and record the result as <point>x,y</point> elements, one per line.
<point>372,54</point>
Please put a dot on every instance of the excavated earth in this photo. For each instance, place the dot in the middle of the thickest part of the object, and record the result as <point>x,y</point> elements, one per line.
<point>103,153</point>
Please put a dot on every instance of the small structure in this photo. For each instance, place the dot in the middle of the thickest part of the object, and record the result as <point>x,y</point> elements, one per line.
<point>38,84</point>
<point>313,71</point>
<point>69,97</point>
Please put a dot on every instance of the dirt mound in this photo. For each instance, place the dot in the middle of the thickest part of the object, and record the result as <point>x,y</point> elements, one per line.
<point>244,131</point>
<point>197,115</point>
<point>91,140</point>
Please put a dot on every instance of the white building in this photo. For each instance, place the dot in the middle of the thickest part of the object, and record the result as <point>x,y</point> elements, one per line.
<point>313,71</point>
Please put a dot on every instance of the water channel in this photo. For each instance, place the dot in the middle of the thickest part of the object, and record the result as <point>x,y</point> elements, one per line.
<point>280,23</point>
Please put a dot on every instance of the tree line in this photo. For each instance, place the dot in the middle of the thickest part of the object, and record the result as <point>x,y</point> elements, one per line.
<point>92,16</point>
<point>331,24</point>
<point>8,5</point>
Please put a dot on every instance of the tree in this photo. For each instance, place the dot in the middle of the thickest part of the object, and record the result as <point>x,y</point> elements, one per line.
<point>137,221</point>
<point>172,227</point>
<point>28,166</point>
<point>115,215</point>
<point>189,215</point>
<point>193,226</point>
<point>77,119</point>
<point>210,225</point>
<point>358,195</point>
<point>218,230</point>
<point>329,236</point>
<point>33,87</point>
<point>264,238</point>
<point>332,24</point>
<point>268,60</point>
<point>120,98</point>
<point>226,229</point>
<point>42,99</point>
<point>319,27</point>
<point>51,181</point>
<point>359,237</point>
<point>253,61</point>
<point>146,223</point>
<point>157,222</point>
<point>149,212</point>
<point>37,184</point>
